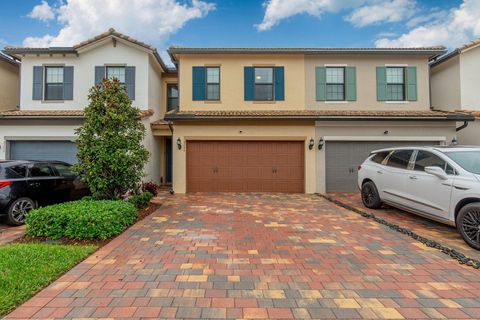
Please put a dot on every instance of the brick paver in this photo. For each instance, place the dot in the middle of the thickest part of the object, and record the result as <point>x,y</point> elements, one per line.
<point>10,233</point>
<point>444,234</point>
<point>260,256</point>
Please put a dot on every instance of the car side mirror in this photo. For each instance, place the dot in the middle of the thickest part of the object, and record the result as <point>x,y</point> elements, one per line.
<point>437,172</point>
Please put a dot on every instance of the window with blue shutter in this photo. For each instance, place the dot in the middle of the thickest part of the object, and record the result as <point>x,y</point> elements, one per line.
<point>279,83</point>
<point>321,83</point>
<point>130,81</point>
<point>37,92</point>
<point>68,83</point>
<point>99,74</point>
<point>198,84</point>
<point>412,83</point>
<point>249,83</point>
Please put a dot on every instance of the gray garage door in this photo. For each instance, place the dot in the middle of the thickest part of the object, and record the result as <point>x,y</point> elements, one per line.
<point>43,150</point>
<point>344,157</point>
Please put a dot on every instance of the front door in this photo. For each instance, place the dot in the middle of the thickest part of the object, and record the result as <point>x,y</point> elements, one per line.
<point>168,160</point>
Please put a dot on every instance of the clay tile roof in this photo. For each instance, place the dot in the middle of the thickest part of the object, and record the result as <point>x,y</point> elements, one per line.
<point>48,114</point>
<point>317,115</point>
<point>110,32</point>
<point>475,113</point>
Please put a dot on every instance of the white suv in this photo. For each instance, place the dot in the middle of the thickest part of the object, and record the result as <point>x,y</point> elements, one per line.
<point>439,183</point>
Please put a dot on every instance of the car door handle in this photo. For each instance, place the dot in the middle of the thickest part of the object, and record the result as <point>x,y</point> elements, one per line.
<point>413,178</point>
<point>34,184</point>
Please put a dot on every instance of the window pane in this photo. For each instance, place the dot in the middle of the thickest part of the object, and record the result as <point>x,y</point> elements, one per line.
<point>400,159</point>
<point>54,74</point>
<point>116,72</point>
<point>264,92</point>
<point>395,75</point>
<point>64,170</point>
<point>427,159</point>
<point>41,170</point>
<point>378,157</point>
<point>335,92</point>
<point>213,92</point>
<point>54,91</point>
<point>468,160</point>
<point>213,75</point>
<point>395,92</point>
<point>172,103</point>
<point>335,75</point>
<point>172,91</point>
<point>264,75</point>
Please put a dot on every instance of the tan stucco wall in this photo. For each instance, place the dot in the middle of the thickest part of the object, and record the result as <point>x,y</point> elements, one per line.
<point>9,86</point>
<point>445,83</point>
<point>366,82</point>
<point>471,134</point>
<point>303,131</point>
<point>374,131</point>
<point>232,81</point>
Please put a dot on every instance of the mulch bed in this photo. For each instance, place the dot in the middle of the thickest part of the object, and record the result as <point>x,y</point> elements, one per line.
<point>142,214</point>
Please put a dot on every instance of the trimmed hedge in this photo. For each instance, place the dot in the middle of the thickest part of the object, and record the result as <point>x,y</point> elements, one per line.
<point>141,200</point>
<point>81,220</point>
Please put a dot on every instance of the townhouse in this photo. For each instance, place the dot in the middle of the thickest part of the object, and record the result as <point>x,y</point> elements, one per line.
<point>454,80</point>
<point>235,119</point>
<point>297,120</point>
<point>9,82</point>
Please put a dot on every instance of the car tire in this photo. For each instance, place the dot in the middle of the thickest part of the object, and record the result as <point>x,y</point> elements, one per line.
<point>370,197</point>
<point>18,209</point>
<point>468,224</point>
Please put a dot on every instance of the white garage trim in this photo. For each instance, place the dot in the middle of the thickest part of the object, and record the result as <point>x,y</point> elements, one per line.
<point>384,138</point>
<point>43,138</point>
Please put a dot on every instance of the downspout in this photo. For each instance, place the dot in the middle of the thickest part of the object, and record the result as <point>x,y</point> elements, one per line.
<point>463,126</point>
<point>171,130</point>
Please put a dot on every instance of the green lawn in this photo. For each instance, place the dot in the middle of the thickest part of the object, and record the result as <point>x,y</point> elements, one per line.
<point>27,268</point>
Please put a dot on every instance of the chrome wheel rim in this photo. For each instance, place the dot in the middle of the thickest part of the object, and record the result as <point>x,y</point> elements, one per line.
<point>368,195</point>
<point>471,225</point>
<point>20,210</point>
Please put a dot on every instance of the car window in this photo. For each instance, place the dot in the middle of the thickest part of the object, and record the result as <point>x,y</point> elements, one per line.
<point>428,159</point>
<point>64,170</point>
<point>400,159</point>
<point>15,172</point>
<point>41,170</point>
<point>449,170</point>
<point>379,156</point>
<point>468,160</point>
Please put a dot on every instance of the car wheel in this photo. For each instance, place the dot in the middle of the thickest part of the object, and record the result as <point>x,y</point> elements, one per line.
<point>18,211</point>
<point>468,224</point>
<point>370,196</point>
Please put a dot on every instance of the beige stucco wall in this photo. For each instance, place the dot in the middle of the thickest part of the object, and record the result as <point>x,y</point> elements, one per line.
<point>374,131</point>
<point>232,81</point>
<point>303,131</point>
<point>366,81</point>
<point>446,84</point>
<point>470,79</point>
<point>471,134</point>
<point>9,86</point>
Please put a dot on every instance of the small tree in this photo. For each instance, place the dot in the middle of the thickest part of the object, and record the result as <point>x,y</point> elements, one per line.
<point>110,155</point>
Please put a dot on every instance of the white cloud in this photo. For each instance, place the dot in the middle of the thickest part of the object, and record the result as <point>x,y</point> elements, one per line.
<point>42,12</point>
<point>456,28</point>
<point>277,10</point>
<point>379,11</point>
<point>147,20</point>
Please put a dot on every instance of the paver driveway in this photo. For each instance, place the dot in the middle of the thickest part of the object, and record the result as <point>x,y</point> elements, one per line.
<point>261,256</point>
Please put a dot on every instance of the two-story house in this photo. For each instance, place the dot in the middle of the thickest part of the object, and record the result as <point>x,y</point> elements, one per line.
<point>9,83</point>
<point>454,80</point>
<point>297,120</point>
<point>54,90</point>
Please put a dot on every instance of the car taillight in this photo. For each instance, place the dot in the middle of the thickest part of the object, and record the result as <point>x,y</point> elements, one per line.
<point>4,183</point>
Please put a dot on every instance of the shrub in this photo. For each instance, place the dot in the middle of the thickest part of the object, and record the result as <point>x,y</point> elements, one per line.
<point>81,220</point>
<point>151,187</point>
<point>141,200</point>
<point>111,155</point>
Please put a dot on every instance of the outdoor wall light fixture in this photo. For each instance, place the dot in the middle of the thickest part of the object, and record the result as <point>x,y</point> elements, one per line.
<point>321,142</point>
<point>311,144</point>
<point>179,144</point>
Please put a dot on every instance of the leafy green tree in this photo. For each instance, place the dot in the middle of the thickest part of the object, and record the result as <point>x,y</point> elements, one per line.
<point>111,155</point>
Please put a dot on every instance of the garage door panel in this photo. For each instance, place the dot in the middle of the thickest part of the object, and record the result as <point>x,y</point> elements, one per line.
<point>245,166</point>
<point>43,150</point>
<point>342,159</point>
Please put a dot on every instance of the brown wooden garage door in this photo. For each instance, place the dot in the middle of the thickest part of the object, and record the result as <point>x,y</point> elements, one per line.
<point>245,166</point>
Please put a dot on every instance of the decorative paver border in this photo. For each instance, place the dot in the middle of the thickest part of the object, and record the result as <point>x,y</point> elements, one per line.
<point>454,254</point>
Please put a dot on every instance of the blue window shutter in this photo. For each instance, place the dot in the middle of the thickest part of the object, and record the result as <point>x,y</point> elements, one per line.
<point>350,84</point>
<point>99,75</point>
<point>412,83</point>
<point>67,83</point>
<point>279,83</point>
<point>249,83</point>
<point>198,84</point>
<point>130,82</point>
<point>37,93</point>
<point>321,83</point>
<point>381,83</point>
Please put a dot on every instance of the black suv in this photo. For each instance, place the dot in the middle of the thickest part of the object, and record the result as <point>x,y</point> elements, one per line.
<point>25,185</point>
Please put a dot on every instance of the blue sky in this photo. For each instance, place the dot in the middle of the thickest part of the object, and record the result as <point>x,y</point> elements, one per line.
<point>230,23</point>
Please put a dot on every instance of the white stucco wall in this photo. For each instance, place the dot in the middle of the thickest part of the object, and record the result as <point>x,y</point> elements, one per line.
<point>84,74</point>
<point>471,134</point>
<point>470,79</point>
<point>445,85</point>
